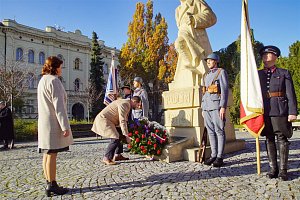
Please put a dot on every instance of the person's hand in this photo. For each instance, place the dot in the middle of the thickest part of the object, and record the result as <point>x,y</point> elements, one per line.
<point>222,113</point>
<point>66,133</point>
<point>292,118</point>
<point>128,139</point>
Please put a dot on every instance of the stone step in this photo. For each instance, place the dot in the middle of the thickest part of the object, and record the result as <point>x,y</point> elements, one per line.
<point>191,154</point>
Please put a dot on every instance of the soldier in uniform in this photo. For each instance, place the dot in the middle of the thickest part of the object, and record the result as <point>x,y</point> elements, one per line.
<point>280,108</point>
<point>214,103</point>
<point>140,92</point>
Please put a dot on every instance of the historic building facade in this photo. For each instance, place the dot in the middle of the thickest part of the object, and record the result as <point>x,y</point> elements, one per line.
<point>29,47</point>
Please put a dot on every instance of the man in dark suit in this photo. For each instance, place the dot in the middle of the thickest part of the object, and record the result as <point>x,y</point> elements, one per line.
<point>280,109</point>
<point>6,126</point>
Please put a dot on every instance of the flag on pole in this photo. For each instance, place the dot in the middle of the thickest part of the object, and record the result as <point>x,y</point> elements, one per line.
<point>251,107</point>
<point>112,84</point>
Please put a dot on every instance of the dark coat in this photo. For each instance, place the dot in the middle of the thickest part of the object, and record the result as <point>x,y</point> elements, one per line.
<point>277,109</point>
<point>6,124</point>
<point>281,81</point>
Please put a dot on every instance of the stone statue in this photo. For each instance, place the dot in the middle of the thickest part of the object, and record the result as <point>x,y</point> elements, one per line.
<point>192,43</point>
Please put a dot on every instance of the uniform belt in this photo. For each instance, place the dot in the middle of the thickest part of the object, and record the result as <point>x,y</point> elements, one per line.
<point>275,94</point>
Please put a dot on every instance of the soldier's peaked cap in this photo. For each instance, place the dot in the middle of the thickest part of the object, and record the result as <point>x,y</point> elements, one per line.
<point>270,49</point>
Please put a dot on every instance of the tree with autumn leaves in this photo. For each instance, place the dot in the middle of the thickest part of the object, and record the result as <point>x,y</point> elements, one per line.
<point>145,52</point>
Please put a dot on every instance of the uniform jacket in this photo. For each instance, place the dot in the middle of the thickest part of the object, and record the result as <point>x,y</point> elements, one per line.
<point>145,103</point>
<point>6,124</point>
<point>116,113</point>
<point>281,81</point>
<point>215,101</point>
<point>53,118</point>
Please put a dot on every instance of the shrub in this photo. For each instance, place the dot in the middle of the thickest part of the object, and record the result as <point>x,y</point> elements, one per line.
<point>25,129</point>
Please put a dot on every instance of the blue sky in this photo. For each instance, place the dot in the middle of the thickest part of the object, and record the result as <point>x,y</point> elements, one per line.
<point>274,22</point>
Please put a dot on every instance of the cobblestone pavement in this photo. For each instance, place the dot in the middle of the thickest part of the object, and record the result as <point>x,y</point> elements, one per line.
<point>82,171</point>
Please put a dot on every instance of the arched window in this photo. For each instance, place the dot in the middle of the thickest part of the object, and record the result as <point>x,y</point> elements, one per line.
<point>30,56</point>
<point>77,64</point>
<point>76,84</point>
<point>19,54</point>
<point>105,68</point>
<point>41,58</point>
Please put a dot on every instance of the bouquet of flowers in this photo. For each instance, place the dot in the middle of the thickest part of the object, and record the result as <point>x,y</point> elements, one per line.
<point>148,138</point>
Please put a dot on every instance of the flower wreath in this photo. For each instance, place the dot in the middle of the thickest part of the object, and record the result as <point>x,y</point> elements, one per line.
<point>148,138</point>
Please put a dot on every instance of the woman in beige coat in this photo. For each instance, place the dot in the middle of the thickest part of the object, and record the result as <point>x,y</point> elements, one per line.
<point>54,132</point>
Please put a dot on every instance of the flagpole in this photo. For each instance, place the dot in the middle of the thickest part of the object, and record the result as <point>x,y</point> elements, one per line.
<point>251,110</point>
<point>258,155</point>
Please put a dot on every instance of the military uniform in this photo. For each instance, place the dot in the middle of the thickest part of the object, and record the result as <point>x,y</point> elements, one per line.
<point>279,102</point>
<point>212,102</point>
<point>138,113</point>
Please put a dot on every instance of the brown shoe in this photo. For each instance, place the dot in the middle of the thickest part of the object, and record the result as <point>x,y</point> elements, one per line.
<point>109,162</point>
<point>120,157</point>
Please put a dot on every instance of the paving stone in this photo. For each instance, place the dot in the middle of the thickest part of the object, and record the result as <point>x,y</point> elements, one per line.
<point>82,171</point>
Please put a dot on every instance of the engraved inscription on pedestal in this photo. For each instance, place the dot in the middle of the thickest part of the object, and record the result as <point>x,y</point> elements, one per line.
<point>179,118</point>
<point>178,98</point>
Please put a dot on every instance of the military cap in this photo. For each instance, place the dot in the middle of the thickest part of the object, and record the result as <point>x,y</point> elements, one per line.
<point>270,49</point>
<point>213,56</point>
<point>138,79</point>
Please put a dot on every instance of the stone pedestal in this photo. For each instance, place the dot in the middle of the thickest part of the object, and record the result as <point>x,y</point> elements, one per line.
<point>183,118</point>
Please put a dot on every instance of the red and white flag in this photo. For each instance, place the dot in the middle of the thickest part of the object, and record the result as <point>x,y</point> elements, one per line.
<point>251,108</point>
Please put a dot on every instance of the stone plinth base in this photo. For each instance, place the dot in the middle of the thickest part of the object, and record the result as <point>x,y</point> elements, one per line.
<point>174,151</point>
<point>183,118</point>
<point>230,146</point>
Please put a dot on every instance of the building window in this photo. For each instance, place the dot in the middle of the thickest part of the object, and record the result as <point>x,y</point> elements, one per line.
<point>77,85</point>
<point>77,64</point>
<point>105,68</point>
<point>30,56</point>
<point>41,58</point>
<point>19,54</point>
<point>30,81</point>
<point>30,109</point>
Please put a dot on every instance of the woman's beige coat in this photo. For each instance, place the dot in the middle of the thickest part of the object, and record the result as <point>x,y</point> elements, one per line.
<point>52,110</point>
<point>111,116</point>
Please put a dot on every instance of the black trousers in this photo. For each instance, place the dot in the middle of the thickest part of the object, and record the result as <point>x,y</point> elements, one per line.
<point>277,126</point>
<point>114,147</point>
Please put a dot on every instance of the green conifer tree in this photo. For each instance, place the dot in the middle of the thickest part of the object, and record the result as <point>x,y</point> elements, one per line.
<point>96,77</point>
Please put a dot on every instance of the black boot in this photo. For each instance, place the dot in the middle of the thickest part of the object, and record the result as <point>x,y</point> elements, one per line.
<point>283,153</point>
<point>209,161</point>
<point>52,187</point>
<point>218,162</point>
<point>272,155</point>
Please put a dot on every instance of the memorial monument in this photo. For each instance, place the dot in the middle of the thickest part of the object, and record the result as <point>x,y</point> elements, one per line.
<point>183,115</point>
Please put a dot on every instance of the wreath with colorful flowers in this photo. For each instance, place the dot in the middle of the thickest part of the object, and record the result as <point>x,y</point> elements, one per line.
<point>148,138</point>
